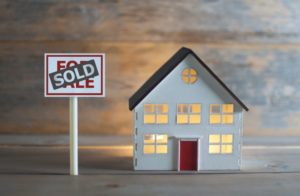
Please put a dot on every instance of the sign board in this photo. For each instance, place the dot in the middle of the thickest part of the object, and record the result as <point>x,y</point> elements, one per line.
<point>74,75</point>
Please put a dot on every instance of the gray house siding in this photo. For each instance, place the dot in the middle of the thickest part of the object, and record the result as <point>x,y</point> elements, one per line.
<point>172,91</point>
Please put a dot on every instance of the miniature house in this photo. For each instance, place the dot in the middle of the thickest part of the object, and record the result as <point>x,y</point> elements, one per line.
<point>186,118</point>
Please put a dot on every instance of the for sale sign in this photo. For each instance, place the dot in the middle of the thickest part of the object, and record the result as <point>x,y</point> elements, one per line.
<point>78,75</point>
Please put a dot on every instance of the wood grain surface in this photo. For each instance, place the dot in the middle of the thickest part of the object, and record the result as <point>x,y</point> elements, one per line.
<point>275,21</point>
<point>253,46</point>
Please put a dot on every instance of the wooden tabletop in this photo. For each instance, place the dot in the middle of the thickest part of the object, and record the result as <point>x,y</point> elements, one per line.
<point>107,170</point>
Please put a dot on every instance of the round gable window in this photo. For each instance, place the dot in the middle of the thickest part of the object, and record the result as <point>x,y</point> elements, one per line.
<point>189,75</point>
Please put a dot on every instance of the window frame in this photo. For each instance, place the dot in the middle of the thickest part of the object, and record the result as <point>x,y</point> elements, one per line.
<point>156,144</point>
<point>156,113</point>
<point>189,113</point>
<point>221,113</point>
<point>221,143</point>
<point>187,78</point>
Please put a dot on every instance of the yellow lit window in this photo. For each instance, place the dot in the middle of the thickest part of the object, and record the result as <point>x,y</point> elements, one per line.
<point>149,108</point>
<point>214,138</point>
<point>215,114</point>
<point>149,139</point>
<point>226,148</point>
<point>227,113</point>
<point>227,138</point>
<point>161,139</point>
<point>196,108</point>
<point>215,119</point>
<point>149,118</point>
<point>161,149</point>
<point>227,118</point>
<point>188,113</point>
<point>182,114</point>
<point>182,119</point>
<point>220,144</point>
<point>162,119</point>
<point>195,119</point>
<point>221,114</point>
<point>227,108</point>
<point>189,75</point>
<point>155,143</point>
<point>182,108</point>
<point>149,144</point>
<point>214,149</point>
<point>215,109</point>
<point>149,149</point>
<point>156,113</point>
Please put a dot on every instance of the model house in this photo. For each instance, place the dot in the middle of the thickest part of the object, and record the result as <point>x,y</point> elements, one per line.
<point>186,118</point>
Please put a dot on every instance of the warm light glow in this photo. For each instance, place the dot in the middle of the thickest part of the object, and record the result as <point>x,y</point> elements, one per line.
<point>149,113</point>
<point>161,149</point>
<point>185,79</point>
<point>155,143</point>
<point>195,119</point>
<point>186,71</point>
<point>227,149</point>
<point>149,108</point>
<point>107,147</point>
<point>196,108</point>
<point>214,138</point>
<point>161,138</point>
<point>182,118</point>
<point>214,149</point>
<point>114,150</point>
<point>227,138</point>
<point>182,108</point>
<point>215,119</point>
<point>149,149</point>
<point>162,119</point>
<point>162,108</point>
<point>215,116</point>
<point>156,113</point>
<point>149,139</point>
<point>188,113</point>
<point>189,75</point>
<point>215,108</point>
<point>220,143</point>
<point>149,118</point>
<point>227,108</point>
<point>227,118</point>
<point>149,144</point>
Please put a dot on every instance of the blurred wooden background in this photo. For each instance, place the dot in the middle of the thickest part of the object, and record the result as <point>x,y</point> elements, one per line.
<point>254,46</point>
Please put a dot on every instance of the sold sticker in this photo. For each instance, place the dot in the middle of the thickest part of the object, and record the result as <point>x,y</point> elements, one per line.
<point>68,75</point>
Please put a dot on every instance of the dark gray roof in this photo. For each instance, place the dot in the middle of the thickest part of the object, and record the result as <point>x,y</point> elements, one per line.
<point>163,71</point>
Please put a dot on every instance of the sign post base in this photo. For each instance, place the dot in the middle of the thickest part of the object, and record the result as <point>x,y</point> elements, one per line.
<point>74,136</point>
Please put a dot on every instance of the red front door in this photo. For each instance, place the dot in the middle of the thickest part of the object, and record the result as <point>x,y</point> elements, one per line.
<point>188,155</point>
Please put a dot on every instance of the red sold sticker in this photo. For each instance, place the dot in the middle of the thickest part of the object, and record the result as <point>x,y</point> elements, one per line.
<point>74,75</point>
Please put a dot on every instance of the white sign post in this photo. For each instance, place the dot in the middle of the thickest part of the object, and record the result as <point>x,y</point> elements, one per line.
<point>73,135</point>
<point>74,75</point>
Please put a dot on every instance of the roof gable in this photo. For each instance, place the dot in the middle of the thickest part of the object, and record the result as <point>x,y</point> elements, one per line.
<point>164,70</point>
